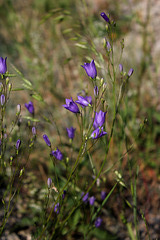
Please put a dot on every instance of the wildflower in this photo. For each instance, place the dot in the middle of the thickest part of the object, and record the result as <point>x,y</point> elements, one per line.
<point>46,139</point>
<point>108,46</point>
<point>98,222</point>
<point>57,154</point>
<point>84,101</point>
<point>90,69</point>
<point>34,131</point>
<point>85,198</point>
<point>130,72</point>
<point>91,200</point>
<point>3,65</point>
<point>99,119</point>
<point>70,132</point>
<point>18,109</point>
<point>98,133</point>
<point>105,17</point>
<point>96,91</point>
<point>71,106</point>
<point>2,99</point>
<point>103,195</point>
<point>64,194</point>
<point>30,107</point>
<point>120,68</point>
<point>49,182</point>
<point>57,208</point>
<point>18,143</point>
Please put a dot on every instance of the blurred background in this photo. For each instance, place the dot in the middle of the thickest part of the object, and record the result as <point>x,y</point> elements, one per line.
<point>48,41</point>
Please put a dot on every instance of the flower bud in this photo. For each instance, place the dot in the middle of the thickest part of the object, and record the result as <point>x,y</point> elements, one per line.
<point>34,131</point>
<point>49,182</point>
<point>96,91</point>
<point>18,143</point>
<point>7,80</point>
<point>130,72</point>
<point>10,87</point>
<point>18,109</point>
<point>120,68</point>
<point>2,99</point>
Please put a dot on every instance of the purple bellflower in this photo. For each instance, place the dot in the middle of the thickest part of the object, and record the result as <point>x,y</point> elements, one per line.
<point>46,139</point>
<point>130,72</point>
<point>99,119</point>
<point>98,133</point>
<point>71,106</point>
<point>57,208</point>
<point>57,154</point>
<point>18,143</point>
<point>30,107</point>
<point>49,182</point>
<point>108,46</point>
<point>64,194</point>
<point>70,132</point>
<point>91,200</point>
<point>34,131</point>
<point>2,99</point>
<point>84,101</point>
<point>98,222</point>
<point>103,195</point>
<point>120,68</point>
<point>85,198</point>
<point>3,65</point>
<point>90,69</point>
<point>104,16</point>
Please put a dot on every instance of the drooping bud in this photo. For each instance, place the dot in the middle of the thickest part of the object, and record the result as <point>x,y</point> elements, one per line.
<point>18,143</point>
<point>18,109</point>
<point>96,91</point>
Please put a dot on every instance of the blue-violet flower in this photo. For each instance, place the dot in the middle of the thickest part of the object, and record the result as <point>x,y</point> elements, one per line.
<point>46,139</point>
<point>57,154</point>
<point>84,101</point>
<point>70,132</point>
<point>130,72</point>
<point>91,200</point>
<point>30,107</point>
<point>105,17</point>
<point>2,99</point>
<point>98,222</point>
<point>98,133</point>
<point>99,119</point>
<point>90,69</point>
<point>3,65</point>
<point>57,208</point>
<point>71,106</point>
<point>49,182</point>
<point>18,143</point>
<point>85,198</point>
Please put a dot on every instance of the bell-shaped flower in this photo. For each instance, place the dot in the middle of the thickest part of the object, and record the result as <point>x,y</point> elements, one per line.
<point>98,222</point>
<point>30,107</point>
<point>99,119</point>
<point>71,106</point>
<point>84,101</point>
<point>3,65</point>
<point>98,133</point>
<point>90,69</point>
<point>105,17</point>
<point>70,132</point>
<point>57,154</point>
<point>85,198</point>
<point>92,200</point>
<point>46,139</point>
